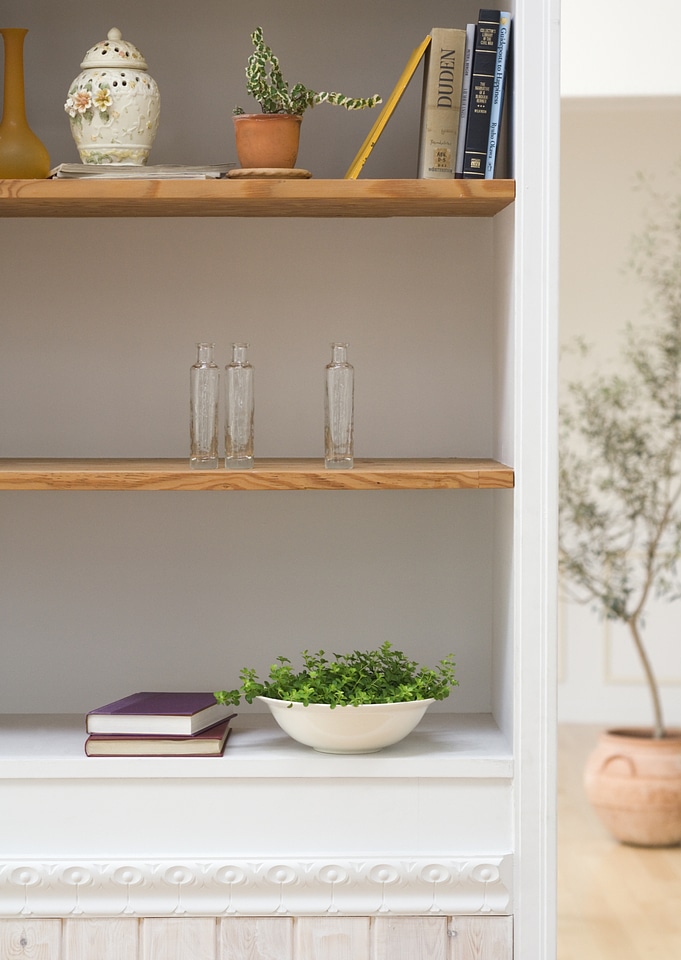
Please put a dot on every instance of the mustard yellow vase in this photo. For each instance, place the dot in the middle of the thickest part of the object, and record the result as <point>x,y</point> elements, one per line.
<point>22,155</point>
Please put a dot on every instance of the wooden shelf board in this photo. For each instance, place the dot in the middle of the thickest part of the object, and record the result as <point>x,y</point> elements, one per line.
<point>254,198</point>
<point>303,474</point>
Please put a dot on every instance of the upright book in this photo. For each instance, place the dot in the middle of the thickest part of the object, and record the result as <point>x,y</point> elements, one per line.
<point>465,98</point>
<point>496,111</point>
<point>482,87</point>
<point>179,714</point>
<point>206,743</point>
<point>441,104</point>
<point>371,140</point>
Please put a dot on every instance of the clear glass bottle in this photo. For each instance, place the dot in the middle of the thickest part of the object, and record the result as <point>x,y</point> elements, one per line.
<point>239,406</point>
<point>204,398</point>
<point>339,410</point>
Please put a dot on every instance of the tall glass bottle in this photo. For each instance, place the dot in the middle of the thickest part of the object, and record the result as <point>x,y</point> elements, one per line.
<point>339,410</point>
<point>239,405</point>
<point>204,398</point>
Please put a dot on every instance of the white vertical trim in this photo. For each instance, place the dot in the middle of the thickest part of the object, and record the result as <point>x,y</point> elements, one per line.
<point>536,125</point>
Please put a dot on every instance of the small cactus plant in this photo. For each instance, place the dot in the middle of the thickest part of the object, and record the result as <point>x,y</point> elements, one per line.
<point>265,83</point>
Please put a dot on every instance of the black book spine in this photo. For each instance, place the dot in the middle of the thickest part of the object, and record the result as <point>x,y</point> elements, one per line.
<point>482,89</point>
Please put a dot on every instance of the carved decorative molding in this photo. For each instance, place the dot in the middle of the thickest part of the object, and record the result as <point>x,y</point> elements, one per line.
<point>342,887</point>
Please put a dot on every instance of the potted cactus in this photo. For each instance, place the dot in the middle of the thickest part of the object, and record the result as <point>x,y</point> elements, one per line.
<point>270,139</point>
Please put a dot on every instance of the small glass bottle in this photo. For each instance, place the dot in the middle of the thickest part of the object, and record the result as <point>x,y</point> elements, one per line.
<point>239,405</point>
<point>339,410</point>
<point>204,397</point>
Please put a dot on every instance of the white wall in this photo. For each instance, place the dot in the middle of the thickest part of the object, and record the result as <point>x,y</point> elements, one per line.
<point>606,142</point>
<point>610,51</point>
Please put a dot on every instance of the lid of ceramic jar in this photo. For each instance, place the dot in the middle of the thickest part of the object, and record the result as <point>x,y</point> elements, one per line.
<point>114,52</point>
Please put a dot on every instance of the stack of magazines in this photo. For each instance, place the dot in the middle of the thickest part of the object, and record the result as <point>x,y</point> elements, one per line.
<point>128,171</point>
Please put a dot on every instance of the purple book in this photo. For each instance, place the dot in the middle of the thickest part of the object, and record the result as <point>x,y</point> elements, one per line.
<point>207,743</point>
<point>180,714</point>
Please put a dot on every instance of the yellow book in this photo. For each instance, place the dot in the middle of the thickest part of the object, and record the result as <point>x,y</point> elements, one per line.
<point>386,112</point>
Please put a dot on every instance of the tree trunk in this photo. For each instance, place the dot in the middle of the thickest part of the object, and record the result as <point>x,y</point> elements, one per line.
<point>658,726</point>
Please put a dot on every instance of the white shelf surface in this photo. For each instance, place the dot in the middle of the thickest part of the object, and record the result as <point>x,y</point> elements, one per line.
<point>444,745</point>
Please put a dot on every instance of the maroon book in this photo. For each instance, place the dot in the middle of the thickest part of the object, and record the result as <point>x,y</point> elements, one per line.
<point>207,743</point>
<point>179,714</point>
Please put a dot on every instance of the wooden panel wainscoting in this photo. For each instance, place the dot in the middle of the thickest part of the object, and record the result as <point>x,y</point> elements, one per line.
<point>333,938</point>
<point>89,938</point>
<point>403,938</point>
<point>256,938</point>
<point>481,938</point>
<point>176,938</point>
<point>259,938</point>
<point>32,940</point>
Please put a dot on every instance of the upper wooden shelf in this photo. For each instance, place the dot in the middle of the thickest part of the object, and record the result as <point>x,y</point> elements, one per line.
<point>431,474</point>
<point>254,198</point>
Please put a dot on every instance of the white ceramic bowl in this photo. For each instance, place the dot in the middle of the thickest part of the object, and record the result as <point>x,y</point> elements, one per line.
<point>363,729</point>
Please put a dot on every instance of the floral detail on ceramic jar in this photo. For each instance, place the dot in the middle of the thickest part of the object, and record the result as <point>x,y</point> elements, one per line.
<point>113,105</point>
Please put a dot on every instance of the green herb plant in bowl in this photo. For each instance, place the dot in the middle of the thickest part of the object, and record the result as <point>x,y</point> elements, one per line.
<point>356,702</point>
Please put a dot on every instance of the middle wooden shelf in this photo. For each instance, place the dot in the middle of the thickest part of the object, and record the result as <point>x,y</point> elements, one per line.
<point>268,474</point>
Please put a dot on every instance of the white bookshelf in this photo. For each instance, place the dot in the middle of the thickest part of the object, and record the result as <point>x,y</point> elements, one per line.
<point>123,570</point>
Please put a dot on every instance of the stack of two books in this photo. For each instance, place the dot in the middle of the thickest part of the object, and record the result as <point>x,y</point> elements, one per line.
<point>159,725</point>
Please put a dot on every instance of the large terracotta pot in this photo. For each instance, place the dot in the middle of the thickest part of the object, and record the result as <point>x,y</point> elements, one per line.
<point>267,140</point>
<point>634,783</point>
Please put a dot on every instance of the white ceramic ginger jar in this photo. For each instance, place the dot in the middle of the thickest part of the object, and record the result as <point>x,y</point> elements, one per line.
<point>114,104</point>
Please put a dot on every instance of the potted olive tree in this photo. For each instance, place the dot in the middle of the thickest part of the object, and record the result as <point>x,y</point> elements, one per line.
<point>620,527</point>
<point>356,702</point>
<point>270,139</point>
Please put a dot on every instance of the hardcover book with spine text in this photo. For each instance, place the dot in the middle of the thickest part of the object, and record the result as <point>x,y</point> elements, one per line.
<point>483,74</point>
<point>441,105</point>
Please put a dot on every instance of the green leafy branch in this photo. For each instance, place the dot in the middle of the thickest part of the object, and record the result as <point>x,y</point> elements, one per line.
<point>374,676</point>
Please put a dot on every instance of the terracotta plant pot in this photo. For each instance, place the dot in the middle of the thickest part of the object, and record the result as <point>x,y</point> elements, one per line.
<point>267,140</point>
<point>634,783</point>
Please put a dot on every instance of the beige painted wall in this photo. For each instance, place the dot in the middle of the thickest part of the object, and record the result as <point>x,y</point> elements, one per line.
<point>606,143</point>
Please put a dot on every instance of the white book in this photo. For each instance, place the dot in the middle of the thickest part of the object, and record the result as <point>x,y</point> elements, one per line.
<point>465,97</point>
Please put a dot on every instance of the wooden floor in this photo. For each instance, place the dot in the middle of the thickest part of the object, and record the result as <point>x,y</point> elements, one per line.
<point>614,902</point>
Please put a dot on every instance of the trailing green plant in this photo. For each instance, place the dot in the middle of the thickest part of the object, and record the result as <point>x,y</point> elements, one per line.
<point>265,83</point>
<point>620,458</point>
<point>373,676</point>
